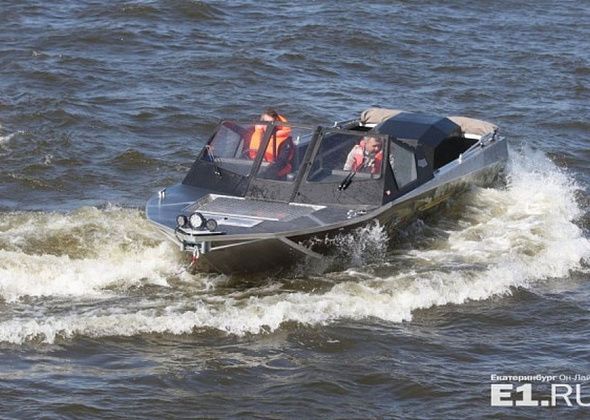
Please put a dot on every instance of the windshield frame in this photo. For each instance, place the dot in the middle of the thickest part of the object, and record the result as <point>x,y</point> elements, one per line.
<point>359,135</point>
<point>217,161</point>
<point>360,192</point>
<point>273,189</point>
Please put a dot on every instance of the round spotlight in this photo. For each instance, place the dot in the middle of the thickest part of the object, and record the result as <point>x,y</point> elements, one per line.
<point>181,220</point>
<point>197,220</point>
<point>211,225</point>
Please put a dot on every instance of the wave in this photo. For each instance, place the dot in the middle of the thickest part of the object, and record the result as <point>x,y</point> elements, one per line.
<point>132,159</point>
<point>503,239</point>
<point>6,138</point>
<point>82,254</point>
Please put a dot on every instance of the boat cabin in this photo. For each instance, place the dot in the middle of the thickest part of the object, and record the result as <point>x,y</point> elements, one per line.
<point>311,165</point>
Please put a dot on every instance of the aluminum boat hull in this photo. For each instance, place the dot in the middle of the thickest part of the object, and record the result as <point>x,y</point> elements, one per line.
<point>283,249</point>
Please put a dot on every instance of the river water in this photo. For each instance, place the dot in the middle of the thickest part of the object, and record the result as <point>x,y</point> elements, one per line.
<point>103,103</point>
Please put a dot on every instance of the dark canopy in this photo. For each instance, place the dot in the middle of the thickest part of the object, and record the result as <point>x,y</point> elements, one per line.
<point>420,131</point>
<point>428,130</point>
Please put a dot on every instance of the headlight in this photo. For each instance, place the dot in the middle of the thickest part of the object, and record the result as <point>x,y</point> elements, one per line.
<point>211,225</point>
<point>197,220</point>
<point>181,220</point>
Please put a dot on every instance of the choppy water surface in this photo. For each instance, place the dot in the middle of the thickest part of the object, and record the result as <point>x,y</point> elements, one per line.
<point>101,104</point>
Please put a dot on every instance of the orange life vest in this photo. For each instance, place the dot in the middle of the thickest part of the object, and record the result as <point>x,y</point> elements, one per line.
<point>281,134</point>
<point>359,158</point>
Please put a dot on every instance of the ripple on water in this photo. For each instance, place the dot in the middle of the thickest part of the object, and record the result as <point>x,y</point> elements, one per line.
<point>92,300</point>
<point>133,160</point>
<point>508,239</point>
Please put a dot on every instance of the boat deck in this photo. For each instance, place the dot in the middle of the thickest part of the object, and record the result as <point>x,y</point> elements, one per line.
<point>237,207</point>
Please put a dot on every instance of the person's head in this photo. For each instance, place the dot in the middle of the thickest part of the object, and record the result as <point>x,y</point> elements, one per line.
<point>373,144</point>
<point>269,115</point>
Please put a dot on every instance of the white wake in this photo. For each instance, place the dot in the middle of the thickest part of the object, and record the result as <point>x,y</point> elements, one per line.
<point>506,238</point>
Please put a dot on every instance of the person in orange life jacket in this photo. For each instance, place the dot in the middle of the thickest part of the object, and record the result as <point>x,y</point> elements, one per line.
<point>365,156</point>
<point>280,150</point>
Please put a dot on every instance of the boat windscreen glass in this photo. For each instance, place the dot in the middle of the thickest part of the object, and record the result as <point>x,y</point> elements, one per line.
<point>285,152</point>
<point>403,162</point>
<point>234,146</point>
<point>344,154</point>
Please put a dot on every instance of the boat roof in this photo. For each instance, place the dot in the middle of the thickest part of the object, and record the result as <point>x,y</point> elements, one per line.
<point>416,128</point>
<point>467,125</point>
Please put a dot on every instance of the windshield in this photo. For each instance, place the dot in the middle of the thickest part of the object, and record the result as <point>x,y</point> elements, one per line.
<point>284,153</point>
<point>229,148</point>
<point>344,152</point>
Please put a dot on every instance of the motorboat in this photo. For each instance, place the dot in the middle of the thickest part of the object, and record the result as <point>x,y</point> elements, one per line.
<point>235,212</point>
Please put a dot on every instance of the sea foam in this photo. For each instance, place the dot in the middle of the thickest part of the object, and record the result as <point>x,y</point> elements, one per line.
<point>505,238</point>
